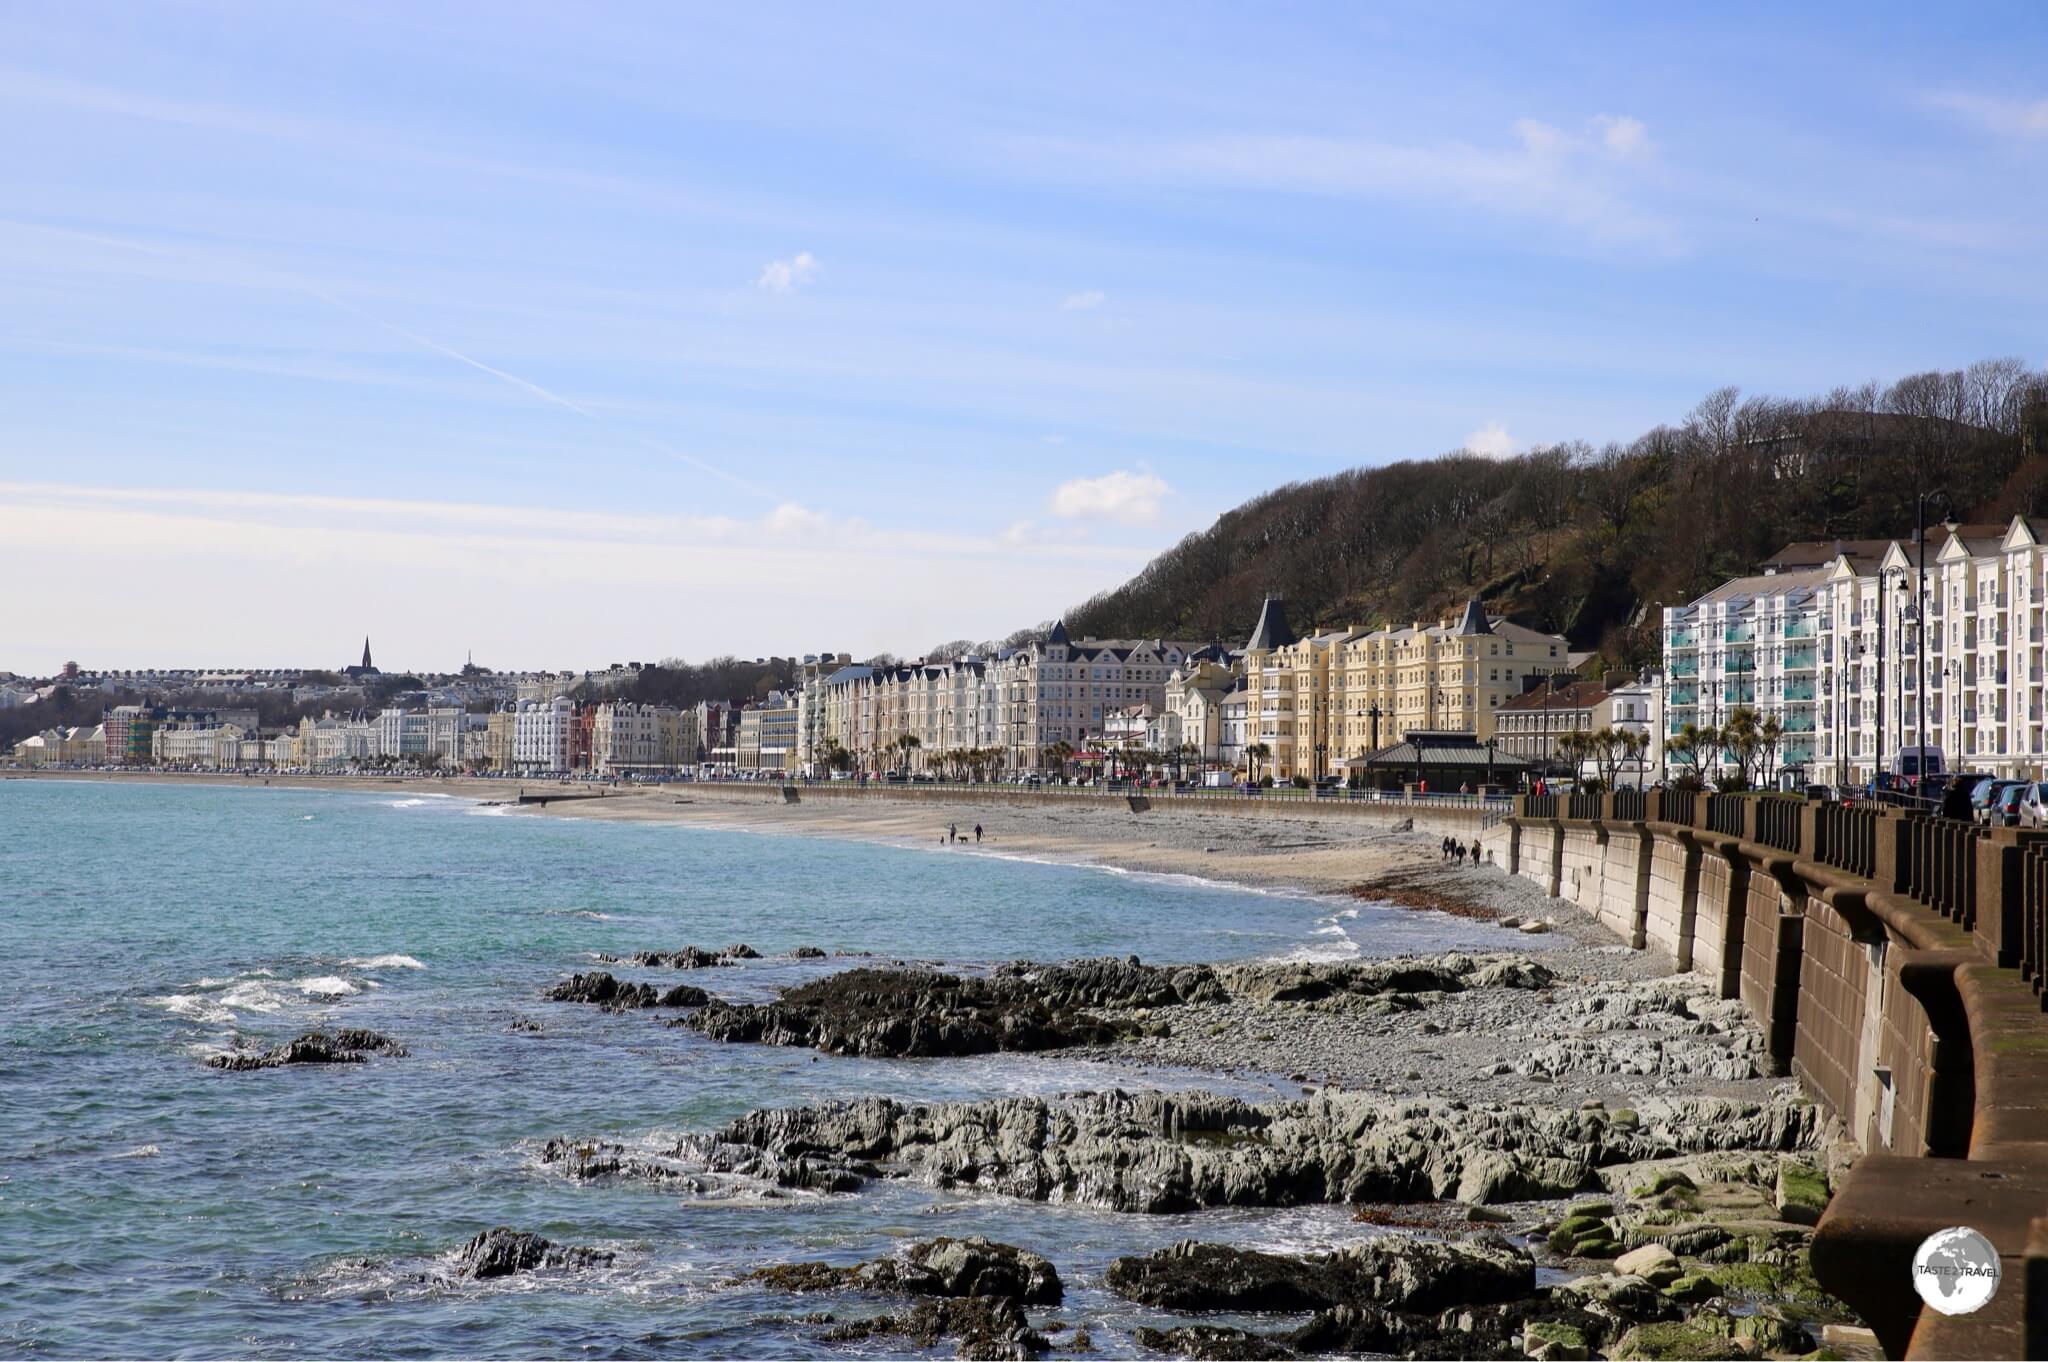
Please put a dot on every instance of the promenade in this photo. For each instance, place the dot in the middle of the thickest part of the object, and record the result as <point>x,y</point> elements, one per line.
<point>1896,964</point>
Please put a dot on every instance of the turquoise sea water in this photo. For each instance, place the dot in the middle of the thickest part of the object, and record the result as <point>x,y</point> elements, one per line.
<point>150,1206</point>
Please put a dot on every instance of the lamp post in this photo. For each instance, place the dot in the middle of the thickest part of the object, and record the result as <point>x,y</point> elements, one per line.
<point>1920,608</point>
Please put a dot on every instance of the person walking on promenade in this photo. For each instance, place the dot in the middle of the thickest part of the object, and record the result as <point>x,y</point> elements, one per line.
<point>1955,801</point>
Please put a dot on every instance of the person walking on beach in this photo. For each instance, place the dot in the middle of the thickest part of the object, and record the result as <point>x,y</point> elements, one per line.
<point>952,832</point>
<point>977,834</point>
<point>1475,851</point>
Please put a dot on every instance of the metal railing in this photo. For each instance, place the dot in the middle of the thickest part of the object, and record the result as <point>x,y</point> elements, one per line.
<point>1631,806</point>
<point>1846,838</point>
<point>2033,950</point>
<point>1681,806</point>
<point>1778,822</point>
<point>1726,814</point>
<point>1938,865</point>
<point>1584,804</point>
<point>1539,806</point>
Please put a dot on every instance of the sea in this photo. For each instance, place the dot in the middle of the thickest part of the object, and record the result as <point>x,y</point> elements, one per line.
<point>153,1207</point>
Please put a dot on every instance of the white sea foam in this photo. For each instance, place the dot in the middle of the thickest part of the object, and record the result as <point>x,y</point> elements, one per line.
<point>326,986</point>
<point>383,962</point>
<point>193,1006</point>
<point>1331,930</point>
<point>141,1151</point>
<point>253,997</point>
<point>404,803</point>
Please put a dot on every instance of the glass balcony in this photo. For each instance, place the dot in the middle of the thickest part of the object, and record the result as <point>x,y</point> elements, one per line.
<point>1801,659</point>
<point>1685,695</point>
<point>1684,638</point>
<point>1738,633</point>
<point>1800,628</point>
<point>1799,690</point>
<point>1685,667</point>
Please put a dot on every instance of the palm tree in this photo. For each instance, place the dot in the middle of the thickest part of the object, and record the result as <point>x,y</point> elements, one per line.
<point>1255,754</point>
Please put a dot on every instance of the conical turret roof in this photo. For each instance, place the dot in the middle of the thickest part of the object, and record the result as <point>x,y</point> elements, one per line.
<point>1475,619</point>
<point>1273,631</point>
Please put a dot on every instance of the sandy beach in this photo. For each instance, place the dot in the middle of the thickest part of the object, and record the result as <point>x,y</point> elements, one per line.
<point>1488,1044</point>
<point>1311,851</point>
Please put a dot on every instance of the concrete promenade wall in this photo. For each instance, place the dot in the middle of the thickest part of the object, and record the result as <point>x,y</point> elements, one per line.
<point>1436,815</point>
<point>1895,964</point>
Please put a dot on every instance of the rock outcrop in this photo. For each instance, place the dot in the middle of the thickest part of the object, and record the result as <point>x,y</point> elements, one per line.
<point>617,996</point>
<point>502,1251</point>
<point>350,1046</point>
<point>1169,1153</point>
<point>905,1012</point>
<point>1389,1273</point>
<point>934,1267</point>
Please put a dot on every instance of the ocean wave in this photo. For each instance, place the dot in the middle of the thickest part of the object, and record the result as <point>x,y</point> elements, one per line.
<point>141,1151</point>
<point>254,997</point>
<point>326,986</point>
<point>403,803</point>
<point>193,1006</point>
<point>383,962</point>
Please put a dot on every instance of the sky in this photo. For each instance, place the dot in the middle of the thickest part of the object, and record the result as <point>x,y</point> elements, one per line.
<point>564,335</point>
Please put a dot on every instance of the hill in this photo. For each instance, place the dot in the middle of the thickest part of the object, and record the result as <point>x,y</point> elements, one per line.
<point>1590,542</point>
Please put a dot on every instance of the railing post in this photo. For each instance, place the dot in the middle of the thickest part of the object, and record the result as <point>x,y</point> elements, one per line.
<point>1998,913</point>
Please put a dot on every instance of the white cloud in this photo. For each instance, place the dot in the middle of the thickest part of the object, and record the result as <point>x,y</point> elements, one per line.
<point>792,519</point>
<point>1086,301</point>
<point>1624,136</point>
<point>1492,440</point>
<point>2007,117</point>
<point>1585,181</point>
<point>1131,498</point>
<point>787,276</point>
<point>552,585</point>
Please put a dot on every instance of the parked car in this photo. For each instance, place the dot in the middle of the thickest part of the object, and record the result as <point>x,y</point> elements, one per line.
<point>2005,805</point>
<point>1984,799</point>
<point>2033,804</point>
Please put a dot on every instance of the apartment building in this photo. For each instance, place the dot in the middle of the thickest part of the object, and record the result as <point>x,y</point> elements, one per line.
<point>767,736</point>
<point>1323,699</point>
<point>634,739</point>
<point>543,735</point>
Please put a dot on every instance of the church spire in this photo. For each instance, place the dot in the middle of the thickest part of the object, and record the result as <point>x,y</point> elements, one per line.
<point>366,652</point>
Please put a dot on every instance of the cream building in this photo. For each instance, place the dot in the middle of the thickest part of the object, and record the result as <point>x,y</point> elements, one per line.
<point>628,739</point>
<point>1317,701</point>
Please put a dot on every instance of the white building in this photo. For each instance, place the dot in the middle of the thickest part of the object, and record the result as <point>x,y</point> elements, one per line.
<point>638,739</point>
<point>543,735</point>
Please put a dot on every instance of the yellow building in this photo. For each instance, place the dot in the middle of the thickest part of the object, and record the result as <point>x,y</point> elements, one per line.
<point>1319,700</point>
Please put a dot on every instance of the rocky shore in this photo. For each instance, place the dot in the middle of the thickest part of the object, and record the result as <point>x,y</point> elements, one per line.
<point>1622,1175</point>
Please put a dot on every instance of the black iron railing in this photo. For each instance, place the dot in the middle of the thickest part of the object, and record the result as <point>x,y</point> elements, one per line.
<point>1777,822</point>
<point>1846,838</point>
<point>1584,804</point>
<point>1631,806</point>
<point>1727,814</point>
<point>1939,865</point>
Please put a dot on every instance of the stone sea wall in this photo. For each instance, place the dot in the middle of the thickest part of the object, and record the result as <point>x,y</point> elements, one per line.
<point>1895,963</point>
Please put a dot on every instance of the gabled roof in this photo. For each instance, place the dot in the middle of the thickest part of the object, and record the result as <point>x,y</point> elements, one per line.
<point>1272,630</point>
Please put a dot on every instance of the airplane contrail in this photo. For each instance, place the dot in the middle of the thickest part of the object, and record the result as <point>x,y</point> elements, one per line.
<point>528,385</point>
<point>286,280</point>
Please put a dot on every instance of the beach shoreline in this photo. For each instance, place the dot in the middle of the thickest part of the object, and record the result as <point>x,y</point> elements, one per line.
<point>1301,850</point>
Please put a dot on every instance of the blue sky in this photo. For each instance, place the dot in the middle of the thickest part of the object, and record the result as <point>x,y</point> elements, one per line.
<point>574,334</point>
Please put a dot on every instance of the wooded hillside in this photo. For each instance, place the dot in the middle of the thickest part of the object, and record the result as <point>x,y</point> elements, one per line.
<point>1590,542</point>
